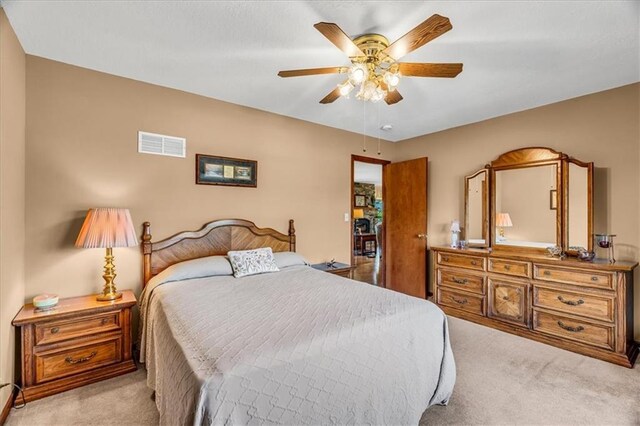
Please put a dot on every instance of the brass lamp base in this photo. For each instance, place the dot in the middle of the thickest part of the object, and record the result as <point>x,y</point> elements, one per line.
<point>109,292</point>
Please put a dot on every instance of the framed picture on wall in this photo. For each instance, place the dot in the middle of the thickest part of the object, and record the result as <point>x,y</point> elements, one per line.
<point>213,170</point>
<point>359,201</point>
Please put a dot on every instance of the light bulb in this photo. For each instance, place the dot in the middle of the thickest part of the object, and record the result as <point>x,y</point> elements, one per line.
<point>345,88</point>
<point>392,79</point>
<point>358,73</point>
<point>378,95</point>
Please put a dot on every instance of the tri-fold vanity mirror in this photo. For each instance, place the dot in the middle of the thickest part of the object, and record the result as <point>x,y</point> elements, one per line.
<point>528,200</point>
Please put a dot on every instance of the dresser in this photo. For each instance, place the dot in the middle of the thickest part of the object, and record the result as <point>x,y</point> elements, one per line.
<point>81,341</point>
<point>584,307</point>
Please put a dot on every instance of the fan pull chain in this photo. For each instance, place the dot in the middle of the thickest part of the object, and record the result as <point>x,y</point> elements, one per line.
<point>364,127</point>
<point>379,128</point>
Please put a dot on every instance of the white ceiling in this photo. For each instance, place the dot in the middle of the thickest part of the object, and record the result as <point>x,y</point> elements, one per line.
<point>367,173</point>
<point>517,54</point>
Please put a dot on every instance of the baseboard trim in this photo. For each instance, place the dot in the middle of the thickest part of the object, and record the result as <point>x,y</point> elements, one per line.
<point>7,406</point>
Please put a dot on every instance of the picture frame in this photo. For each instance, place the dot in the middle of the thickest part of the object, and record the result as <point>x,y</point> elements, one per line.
<point>226,171</point>
<point>359,201</point>
<point>553,199</point>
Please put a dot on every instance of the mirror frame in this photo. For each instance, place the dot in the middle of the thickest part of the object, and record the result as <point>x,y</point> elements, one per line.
<point>525,158</point>
<point>486,233</point>
<point>565,182</point>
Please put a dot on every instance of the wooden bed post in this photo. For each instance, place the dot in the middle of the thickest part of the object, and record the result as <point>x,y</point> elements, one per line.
<point>146,252</point>
<point>292,236</point>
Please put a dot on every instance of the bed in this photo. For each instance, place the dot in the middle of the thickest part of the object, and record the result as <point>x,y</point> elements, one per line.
<point>298,346</point>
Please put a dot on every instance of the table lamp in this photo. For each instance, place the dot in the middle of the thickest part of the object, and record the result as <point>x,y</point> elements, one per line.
<point>358,213</point>
<point>503,220</point>
<point>107,228</point>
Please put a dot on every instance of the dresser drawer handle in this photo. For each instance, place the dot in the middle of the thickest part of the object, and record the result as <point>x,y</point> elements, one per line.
<point>458,301</point>
<point>474,263</point>
<point>104,321</point>
<point>594,278</point>
<point>571,302</point>
<point>54,330</point>
<point>547,272</point>
<point>70,360</point>
<point>445,259</point>
<point>507,267</point>
<point>505,298</point>
<point>459,280</point>
<point>577,329</point>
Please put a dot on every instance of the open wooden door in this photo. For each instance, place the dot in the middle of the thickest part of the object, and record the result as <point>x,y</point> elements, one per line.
<point>405,218</point>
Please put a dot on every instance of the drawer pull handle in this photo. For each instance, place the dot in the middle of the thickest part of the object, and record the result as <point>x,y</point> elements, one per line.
<point>474,263</point>
<point>507,267</point>
<point>594,278</point>
<point>459,280</point>
<point>458,301</point>
<point>547,272</point>
<point>505,298</point>
<point>70,360</point>
<point>54,330</point>
<point>104,321</point>
<point>577,329</point>
<point>571,302</point>
<point>445,259</point>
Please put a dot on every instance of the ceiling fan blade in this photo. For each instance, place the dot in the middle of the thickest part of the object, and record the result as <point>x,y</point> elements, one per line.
<point>433,27</point>
<point>339,38</point>
<point>393,97</point>
<point>409,69</point>
<point>312,71</point>
<point>335,94</point>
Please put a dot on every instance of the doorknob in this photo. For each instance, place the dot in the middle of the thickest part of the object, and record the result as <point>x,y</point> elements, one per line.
<point>422,236</point>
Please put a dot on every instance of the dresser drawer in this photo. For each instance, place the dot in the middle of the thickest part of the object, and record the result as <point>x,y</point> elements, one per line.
<point>582,331</point>
<point>462,281</point>
<point>73,359</point>
<point>56,331</point>
<point>510,267</point>
<point>508,301</point>
<point>462,261</point>
<point>572,276</point>
<point>464,301</point>
<point>587,305</point>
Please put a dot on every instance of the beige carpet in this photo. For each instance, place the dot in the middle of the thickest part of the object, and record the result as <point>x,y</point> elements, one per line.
<point>502,379</point>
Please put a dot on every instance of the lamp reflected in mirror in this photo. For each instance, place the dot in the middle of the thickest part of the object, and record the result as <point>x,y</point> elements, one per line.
<point>503,220</point>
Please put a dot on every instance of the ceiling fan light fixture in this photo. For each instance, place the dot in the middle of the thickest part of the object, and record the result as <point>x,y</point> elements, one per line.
<point>345,88</point>
<point>358,73</point>
<point>392,79</point>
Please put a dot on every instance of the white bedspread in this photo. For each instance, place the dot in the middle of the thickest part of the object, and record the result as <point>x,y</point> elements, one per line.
<point>298,346</point>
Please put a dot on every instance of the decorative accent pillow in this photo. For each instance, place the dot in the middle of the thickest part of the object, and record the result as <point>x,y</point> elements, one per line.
<point>252,262</point>
<point>284,259</point>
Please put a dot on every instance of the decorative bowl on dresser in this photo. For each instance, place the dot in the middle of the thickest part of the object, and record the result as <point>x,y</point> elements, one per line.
<point>79,342</point>
<point>506,280</point>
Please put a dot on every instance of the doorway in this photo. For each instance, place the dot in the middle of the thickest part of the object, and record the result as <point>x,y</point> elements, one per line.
<point>367,219</point>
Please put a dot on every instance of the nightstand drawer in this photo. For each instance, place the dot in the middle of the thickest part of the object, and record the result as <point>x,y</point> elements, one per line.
<point>65,361</point>
<point>56,331</point>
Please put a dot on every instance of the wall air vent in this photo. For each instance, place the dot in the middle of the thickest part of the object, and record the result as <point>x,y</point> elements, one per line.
<point>152,143</point>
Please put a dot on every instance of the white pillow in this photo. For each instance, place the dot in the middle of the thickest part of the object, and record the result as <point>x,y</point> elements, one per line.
<point>252,262</point>
<point>195,268</point>
<point>285,259</point>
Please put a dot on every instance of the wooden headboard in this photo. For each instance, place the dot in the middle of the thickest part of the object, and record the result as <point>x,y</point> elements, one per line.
<point>214,238</point>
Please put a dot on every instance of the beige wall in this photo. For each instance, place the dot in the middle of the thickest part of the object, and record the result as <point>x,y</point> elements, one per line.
<point>603,127</point>
<point>12,194</point>
<point>82,152</point>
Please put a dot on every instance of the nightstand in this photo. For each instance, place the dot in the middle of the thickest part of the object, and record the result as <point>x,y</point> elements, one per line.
<point>80,341</point>
<point>341,269</point>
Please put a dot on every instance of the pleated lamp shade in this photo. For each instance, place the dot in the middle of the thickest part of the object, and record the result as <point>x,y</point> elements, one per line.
<point>503,219</point>
<point>107,228</point>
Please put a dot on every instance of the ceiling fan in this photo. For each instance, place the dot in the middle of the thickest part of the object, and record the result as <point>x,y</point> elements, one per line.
<point>374,61</point>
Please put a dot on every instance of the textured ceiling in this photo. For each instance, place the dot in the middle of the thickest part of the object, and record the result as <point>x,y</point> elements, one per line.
<point>517,55</point>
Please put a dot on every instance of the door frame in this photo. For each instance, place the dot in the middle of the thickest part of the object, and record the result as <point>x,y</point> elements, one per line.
<point>383,163</point>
